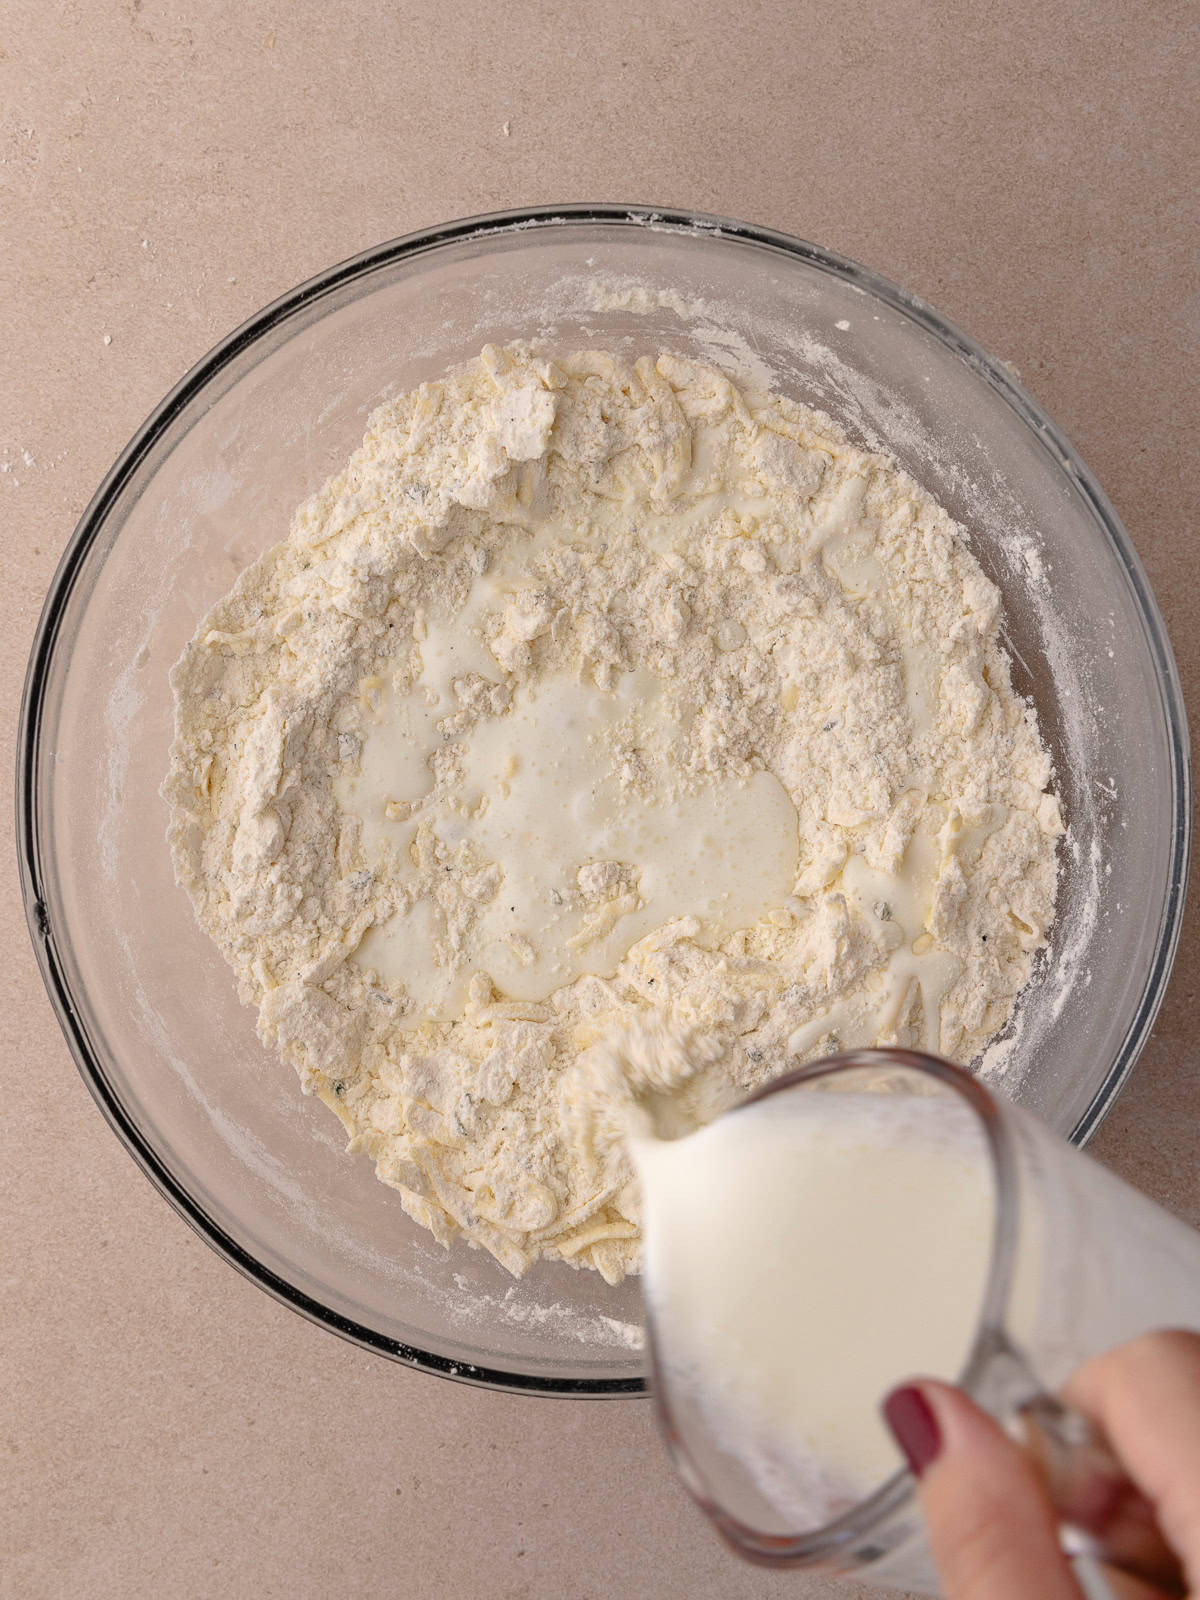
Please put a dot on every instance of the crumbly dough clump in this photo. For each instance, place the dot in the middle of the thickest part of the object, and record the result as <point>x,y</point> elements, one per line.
<point>805,610</point>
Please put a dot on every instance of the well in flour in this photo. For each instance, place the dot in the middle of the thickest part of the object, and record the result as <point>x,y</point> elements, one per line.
<point>589,697</point>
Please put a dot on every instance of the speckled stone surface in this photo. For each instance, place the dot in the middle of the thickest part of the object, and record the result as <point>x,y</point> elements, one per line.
<point>165,169</point>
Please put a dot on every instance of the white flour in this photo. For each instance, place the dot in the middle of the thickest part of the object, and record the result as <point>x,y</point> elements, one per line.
<point>684,601</point>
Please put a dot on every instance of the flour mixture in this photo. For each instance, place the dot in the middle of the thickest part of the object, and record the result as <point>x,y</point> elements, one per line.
<point>593,697</point>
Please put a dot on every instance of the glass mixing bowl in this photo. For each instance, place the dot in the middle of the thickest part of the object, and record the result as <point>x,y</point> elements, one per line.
<point>147,1004</point>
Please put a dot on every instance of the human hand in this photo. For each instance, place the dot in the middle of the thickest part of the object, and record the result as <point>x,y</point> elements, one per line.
<point>993,1530</point>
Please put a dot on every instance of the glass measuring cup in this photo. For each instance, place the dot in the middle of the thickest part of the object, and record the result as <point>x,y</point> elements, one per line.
<point>1078,1264</point>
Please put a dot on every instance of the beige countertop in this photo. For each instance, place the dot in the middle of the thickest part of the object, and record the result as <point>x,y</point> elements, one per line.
<point>165,169</point>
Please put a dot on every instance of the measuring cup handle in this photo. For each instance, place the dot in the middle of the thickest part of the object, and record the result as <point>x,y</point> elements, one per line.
<point>1105,1520</point>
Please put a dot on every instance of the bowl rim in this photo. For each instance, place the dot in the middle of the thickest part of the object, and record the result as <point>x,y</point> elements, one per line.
<point>531,220</point>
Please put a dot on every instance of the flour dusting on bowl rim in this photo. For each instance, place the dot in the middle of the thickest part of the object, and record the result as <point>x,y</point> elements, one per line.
<point>32,833</point>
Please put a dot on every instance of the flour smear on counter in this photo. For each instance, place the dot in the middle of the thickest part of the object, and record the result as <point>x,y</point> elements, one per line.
<point>591,695</point>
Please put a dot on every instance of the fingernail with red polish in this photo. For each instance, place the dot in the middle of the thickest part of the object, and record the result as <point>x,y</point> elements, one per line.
<point>910,1417</point>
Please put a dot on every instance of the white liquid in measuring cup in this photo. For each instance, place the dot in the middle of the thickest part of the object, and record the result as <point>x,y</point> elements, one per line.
<point>804,1255</point>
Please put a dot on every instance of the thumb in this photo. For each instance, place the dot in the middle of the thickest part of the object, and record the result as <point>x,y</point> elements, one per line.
<point>993,1532</point>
